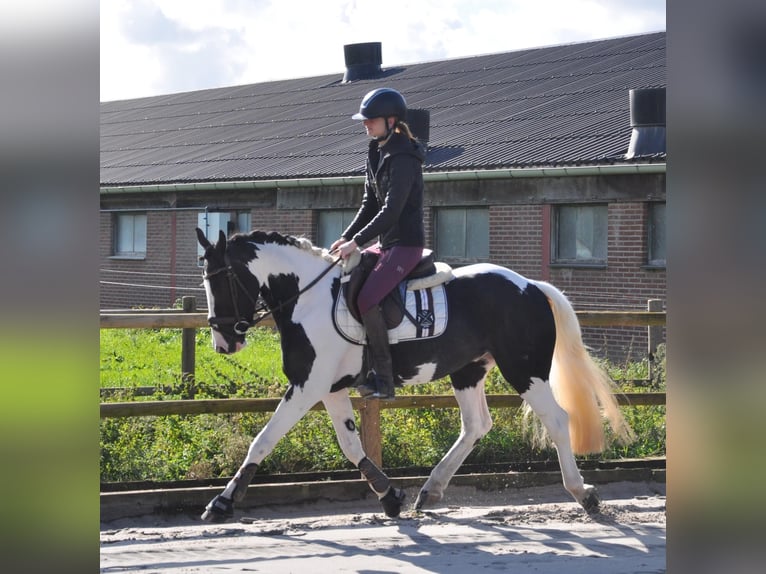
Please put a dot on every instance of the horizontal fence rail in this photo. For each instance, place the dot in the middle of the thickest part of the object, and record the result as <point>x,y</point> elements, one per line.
<point>369,410</point>
<point>218,406</point>
<point>179,320</point>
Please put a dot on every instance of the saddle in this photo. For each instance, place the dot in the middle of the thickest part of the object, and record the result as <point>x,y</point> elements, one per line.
<point>427,273</point>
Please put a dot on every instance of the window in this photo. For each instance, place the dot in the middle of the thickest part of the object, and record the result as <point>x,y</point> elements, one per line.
<point>580,234</point>
<point>130,235</point>
<point>211,222</point>
<point>331,224</point>
<point>656,235</point>
<point>462,234</point>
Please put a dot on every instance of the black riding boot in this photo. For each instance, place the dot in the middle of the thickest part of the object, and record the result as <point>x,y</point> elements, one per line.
<point>380,378</point>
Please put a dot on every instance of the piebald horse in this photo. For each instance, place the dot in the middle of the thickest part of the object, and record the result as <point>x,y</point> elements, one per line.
<point>492,317</point>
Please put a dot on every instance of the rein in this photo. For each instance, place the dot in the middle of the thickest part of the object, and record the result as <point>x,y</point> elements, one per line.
<point>240,323</point>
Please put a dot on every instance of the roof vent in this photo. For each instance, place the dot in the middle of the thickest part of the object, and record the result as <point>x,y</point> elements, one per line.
<point>419,121</point>
<point>647,118</point>
<point>362,61</point>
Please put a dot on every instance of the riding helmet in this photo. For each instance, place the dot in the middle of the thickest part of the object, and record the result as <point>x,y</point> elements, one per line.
<point>382,103</point>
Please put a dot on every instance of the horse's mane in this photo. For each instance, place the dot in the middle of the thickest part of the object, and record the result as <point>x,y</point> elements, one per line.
<point>277,238</point>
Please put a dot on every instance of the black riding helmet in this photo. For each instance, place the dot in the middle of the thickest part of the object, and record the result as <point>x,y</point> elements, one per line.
<point>382,103</point>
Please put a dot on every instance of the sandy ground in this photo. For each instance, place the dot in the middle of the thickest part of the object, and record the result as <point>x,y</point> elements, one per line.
<point>528,530</point>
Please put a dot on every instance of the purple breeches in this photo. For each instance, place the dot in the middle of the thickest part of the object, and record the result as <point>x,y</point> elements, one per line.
<point>392,267</point>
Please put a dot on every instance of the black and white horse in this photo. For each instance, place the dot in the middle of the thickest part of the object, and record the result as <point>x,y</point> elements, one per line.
<point>494,317</point>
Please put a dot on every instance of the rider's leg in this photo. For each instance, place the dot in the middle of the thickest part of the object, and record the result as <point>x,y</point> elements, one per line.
<point>393,266</point>
<point>380,379</point>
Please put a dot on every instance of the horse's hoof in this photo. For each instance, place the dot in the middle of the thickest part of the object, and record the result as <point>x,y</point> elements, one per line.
<point>591,502</point>
<point>392,501</point>
<point>220,509</point>
<point>420,502</point>
<point>425,498</point>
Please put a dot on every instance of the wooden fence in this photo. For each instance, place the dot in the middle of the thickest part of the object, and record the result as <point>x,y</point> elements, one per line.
<point>189,320</point>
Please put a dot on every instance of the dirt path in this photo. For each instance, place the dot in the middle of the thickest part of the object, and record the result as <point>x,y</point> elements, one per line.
<point>531,530</point>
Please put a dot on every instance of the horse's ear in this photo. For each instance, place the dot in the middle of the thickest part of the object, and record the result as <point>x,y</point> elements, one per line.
<point>202,239</point>
<point>221,245</point>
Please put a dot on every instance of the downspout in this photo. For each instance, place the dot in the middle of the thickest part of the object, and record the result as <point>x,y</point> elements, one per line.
<point>462,175</point>
<point>172,258</point>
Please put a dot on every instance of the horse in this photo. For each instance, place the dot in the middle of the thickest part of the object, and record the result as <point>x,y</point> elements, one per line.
<point>495,317</point>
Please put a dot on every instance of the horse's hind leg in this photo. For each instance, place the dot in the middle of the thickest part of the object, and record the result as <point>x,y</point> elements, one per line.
<point>476,422</point>
<point>540,399</point>
<point>339,408</point>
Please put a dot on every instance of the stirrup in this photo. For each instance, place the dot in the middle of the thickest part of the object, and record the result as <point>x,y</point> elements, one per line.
<point>376,387</point>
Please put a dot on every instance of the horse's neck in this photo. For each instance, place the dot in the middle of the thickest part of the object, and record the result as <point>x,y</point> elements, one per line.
<point>276,260</point>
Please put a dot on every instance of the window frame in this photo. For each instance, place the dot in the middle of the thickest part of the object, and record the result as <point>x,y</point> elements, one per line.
<point>463,259</point>
<point>593,262</point>
<point>119,221</point>
<point>346,215</point>
<point>234,219</point>
<point>651,261</point>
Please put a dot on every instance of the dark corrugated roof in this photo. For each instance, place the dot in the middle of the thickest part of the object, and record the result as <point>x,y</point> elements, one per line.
<point>560,105</point>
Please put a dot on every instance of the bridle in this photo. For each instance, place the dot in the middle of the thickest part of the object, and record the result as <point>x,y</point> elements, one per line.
<point>240,323</point>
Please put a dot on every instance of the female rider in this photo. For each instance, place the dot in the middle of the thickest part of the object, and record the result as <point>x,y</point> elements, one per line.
<point>391,210</point>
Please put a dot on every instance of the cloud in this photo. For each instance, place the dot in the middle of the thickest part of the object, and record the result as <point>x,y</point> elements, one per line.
<point>144,23</point>
<point>148,49</point>
<point>163,46</point>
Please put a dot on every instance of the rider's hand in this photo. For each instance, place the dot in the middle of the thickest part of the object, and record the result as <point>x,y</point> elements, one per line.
<point>347,248</point>
<point>336,244</point>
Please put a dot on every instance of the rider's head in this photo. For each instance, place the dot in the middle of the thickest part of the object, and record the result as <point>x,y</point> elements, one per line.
<point>381,110</point>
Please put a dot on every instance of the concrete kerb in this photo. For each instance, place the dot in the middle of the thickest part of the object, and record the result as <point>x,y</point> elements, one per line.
<point>132,504</point>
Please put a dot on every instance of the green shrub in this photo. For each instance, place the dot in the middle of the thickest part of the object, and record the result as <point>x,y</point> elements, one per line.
<point>208,446</point>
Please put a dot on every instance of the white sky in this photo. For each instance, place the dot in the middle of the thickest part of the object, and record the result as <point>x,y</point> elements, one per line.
<point>154,47</point>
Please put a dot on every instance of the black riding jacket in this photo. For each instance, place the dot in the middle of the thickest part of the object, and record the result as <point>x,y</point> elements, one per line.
<point>392,206</point>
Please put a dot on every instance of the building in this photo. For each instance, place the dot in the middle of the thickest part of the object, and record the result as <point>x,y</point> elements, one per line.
<point>550,161</point>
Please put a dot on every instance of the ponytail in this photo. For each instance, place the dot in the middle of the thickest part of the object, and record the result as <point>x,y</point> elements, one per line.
<point>402,127</point>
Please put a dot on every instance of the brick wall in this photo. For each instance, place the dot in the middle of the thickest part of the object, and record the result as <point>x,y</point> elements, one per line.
<point>625,283</point>
<point>516,238</point>
<point>163,275</point>
<point>516,241</point>
<point>297,222</point>
<point>166,273</point>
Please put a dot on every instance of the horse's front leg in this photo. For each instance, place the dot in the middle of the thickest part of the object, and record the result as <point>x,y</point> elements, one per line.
<point>339,408</point>
<point>295,404</point>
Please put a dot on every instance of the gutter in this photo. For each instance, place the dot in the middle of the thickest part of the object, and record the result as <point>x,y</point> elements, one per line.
<point>460,175</point>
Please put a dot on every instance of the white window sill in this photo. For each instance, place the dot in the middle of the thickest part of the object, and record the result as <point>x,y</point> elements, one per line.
<point>140,257</point>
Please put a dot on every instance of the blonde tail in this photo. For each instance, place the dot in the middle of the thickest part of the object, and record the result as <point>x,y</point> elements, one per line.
<point>582,388</point>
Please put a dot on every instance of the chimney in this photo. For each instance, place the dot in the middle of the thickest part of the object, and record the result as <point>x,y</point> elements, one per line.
<point>362,61</point>
<point>419,121</point>
<point>647,118</point>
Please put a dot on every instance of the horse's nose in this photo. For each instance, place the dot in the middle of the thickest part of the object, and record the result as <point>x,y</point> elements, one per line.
<point>230,349</point>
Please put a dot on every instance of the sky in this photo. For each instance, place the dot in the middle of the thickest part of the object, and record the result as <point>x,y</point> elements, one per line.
<point>156,47</point>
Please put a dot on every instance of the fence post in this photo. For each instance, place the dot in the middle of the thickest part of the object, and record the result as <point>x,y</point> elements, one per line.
<point>654,333</point>
<point>188,342</point>
<point>369,415</point>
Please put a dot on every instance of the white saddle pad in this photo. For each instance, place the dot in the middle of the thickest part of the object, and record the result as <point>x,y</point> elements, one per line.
<point>427,306</point>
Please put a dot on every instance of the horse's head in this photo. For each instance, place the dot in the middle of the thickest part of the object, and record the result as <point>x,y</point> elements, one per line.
<point>231,294</point>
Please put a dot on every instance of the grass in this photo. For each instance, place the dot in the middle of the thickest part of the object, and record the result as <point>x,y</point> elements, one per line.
<point>208,446</point>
